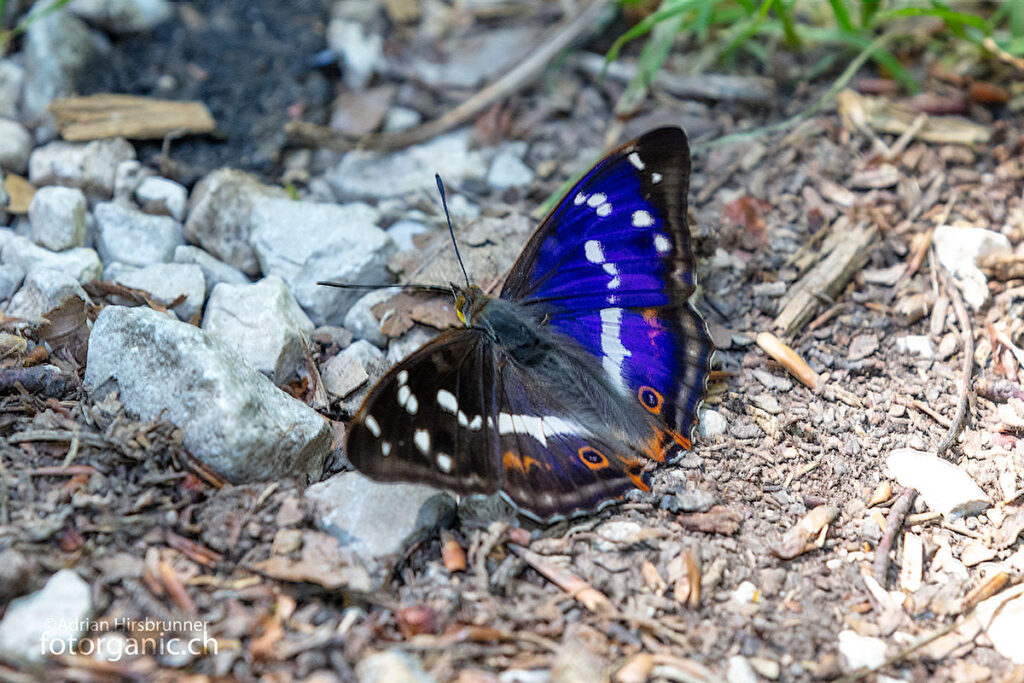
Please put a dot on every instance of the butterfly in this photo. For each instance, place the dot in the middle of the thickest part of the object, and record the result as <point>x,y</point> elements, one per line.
<point>589,365</point>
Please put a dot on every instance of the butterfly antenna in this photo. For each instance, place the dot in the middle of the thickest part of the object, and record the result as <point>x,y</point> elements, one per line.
<point>451,230</point>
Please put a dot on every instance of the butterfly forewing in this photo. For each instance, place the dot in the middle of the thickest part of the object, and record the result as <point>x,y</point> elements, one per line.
<point>427,419</point>
<point>612,268</point>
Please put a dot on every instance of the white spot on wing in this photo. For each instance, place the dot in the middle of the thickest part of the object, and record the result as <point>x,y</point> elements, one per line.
<point>614,353</point>
<point>594,252</point>
<point>385,448</point>
<point>579,198</point>
<point>642,219</point>
<point>540,428</point>
<point>421,437</point>
<point>403,377</point>
<point>476,423</point>
<point>444,461</point>
<point>655,178</point>
<point>412,405</point>
<point>596,200</point>
<point>604,210</point>
<point>463,419</point>
<point>372,425</point>
<point>447,400</point>
<point>637,162</point>
<point>403,395</point>
<point>662,244</point>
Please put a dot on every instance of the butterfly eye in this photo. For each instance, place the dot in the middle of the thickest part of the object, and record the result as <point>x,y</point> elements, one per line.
<point>461,303</point>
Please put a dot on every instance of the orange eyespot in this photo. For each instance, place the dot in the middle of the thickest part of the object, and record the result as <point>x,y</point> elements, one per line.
<point>651,399</point>
<point>593,458</point>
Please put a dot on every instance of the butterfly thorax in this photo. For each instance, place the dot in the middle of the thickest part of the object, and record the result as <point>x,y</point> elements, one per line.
<point>566,371</point>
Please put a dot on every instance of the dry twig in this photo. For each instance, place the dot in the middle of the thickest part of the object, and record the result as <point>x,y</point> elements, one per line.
<point>893,525</point>
<point>968,364</point>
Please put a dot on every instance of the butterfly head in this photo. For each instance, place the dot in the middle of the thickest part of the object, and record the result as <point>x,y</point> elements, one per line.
<point>468,303</point>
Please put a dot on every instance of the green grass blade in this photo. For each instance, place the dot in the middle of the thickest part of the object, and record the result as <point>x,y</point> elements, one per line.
<point>841,15</point>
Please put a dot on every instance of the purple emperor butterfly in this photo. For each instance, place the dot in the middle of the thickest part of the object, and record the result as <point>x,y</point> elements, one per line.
<point>590,364</point>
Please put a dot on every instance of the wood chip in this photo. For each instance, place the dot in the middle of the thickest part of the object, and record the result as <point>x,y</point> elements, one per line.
<point>860,112</point>
<point>789,359</point>
<point>591,598</point>
<point>139,118</point>
<point>19,192</point>
<point>809,533</point>
<point>827,278</point>
<point>912,567</point>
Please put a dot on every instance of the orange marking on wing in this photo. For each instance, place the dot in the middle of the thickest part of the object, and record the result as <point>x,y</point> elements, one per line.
<point>651,399</point>
<point>510,461</point>
<point>593,458</point>
<point>657,446</point>
<point>634,470</point>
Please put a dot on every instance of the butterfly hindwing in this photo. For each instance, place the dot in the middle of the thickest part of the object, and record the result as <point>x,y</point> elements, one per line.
<point>553,465</point>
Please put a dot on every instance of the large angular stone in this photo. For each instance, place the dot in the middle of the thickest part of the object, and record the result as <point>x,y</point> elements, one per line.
<point>166,282</point>
<point>234,419</point>
<point>43,291</point>
<point>219,218</point>
<point>214,270</point>
<point>127,236</point>
<point>89,166</point>
<point>304,242</point>
<point>57,217</point>
<point>263,323</point>
<point>81,263</point>
<point>371,175</point>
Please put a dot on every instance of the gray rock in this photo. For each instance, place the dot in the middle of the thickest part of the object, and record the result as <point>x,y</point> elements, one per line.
<point>364,174</point>
<point>47,621</point>
<point>401,118</point>
<point>377,520</point>
<point>961,249</point>
<point>359,49</point>
<point>214,271</point>
<point>374,364</point>
<point>361,321</point>
<point>12,83</point>
<point>57,47</point>
<point>304,242</point>
<point>342,374</point>
<point>263,323</point>
<point>160,195</point>
<point>135,238</point>
<point>477,58</point>
<point>508,170</point>
<point>127,177</point>
<point>43,291</point>
<point>57,215</point>
<point>403,232</point>
<point>166,282</point>
<point>15,146</point>
<point>393,666</point>
<point>122,16</point>
<point>398,349</point>
<point>234,419</point>
<point>219,218</point>
<point>11,276</point>
<point>81,263</point>
<point>712,423</point>
<point>89,166</point>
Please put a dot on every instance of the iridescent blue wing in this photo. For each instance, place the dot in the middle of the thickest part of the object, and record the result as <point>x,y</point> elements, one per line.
<point>612,268</point>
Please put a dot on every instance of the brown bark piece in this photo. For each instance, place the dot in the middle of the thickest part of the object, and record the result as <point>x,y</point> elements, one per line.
<point>139,118</point>
<point>827,278</point>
